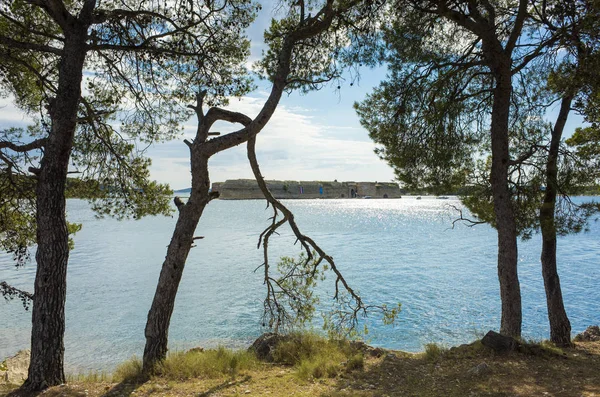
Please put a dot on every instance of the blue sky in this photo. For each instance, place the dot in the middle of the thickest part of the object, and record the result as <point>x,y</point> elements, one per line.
<point>316,136</point>
<point>310,137</point>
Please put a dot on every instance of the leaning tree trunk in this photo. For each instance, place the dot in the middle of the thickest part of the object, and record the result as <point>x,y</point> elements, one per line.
<point>48,314</point>
<point>510,291</point>
<point>159,316</point>
<point>560,327</point>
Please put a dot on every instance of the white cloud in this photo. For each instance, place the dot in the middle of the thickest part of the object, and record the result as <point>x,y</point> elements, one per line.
<point>11,116</point>
<point>294,145</point>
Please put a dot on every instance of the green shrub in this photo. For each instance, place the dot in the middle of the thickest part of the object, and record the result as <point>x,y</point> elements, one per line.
<point>128,371</point>
<point>434,351</point>
<point>298,346</point>
<point>317,357</point>
<point>355,362</point>
<point>319,367</point>
<point>540,348</point>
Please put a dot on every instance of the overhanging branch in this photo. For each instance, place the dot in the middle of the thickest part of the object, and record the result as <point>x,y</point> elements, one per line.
<point>23,45</point>
<point>10,293</point>
<point>37,144</point>
<point>309,246</point>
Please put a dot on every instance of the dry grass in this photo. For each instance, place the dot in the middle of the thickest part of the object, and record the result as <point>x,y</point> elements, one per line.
<point>314,356</point>
<point>434,352</point>
<point>206,364</point>
<point>537,371</point>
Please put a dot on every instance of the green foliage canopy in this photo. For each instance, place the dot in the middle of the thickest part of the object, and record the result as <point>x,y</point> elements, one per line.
<point>145,62</point>
<point>431,115</point>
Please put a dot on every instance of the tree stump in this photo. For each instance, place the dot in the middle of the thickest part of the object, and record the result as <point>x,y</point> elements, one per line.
<point>499,343</point>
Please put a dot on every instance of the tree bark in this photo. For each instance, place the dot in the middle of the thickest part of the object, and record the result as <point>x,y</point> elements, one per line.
<point>560,327</point>
<point>510,291</point>
<point>48,314</point>
<point>499,60</point>
<point>159,316</point>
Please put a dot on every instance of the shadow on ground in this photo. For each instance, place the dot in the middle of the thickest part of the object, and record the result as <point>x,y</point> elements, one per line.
<point>471,370</point>
<point>64,390</point>
<point>225,385</point>
<point>125,388</point>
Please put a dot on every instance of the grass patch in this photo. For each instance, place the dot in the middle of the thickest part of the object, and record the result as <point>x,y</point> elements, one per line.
<point>90,377</point>
<point>193,364</point>
<point>319,367</point>
<point>541,348</point>
<point>128,371</point>
<point>356,362</point>
<point>316,357</point>
<point>207,364</point>
<point>434,352</point>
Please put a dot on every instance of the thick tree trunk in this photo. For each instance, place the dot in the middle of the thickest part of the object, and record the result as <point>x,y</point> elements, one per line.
<point>159,316</point>
<point>48,315</point>
<point>510,291</point>
<point>560,327</point>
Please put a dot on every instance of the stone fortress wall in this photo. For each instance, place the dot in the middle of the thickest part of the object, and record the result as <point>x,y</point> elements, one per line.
<point>244,189</point>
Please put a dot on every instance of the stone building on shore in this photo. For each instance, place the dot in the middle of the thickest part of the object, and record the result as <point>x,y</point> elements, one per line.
<point>245,189</point>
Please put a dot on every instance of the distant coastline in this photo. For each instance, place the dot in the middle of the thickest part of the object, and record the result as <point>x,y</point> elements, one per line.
<point>247,189</point>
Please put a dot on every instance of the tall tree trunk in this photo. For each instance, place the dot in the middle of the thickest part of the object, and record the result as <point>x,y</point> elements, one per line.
<point>48,315</point>
<point>159,316</point>
<point>560,327</point>
<point>510,291</point>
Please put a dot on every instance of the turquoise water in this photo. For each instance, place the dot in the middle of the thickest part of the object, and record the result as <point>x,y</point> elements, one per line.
<point>390,250</point>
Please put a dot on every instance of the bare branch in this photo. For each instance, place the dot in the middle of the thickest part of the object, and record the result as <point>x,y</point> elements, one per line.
<point>10,293</point>
<point>524,156</point>
<point>86,14</point>
<point>102,16</point>
<point>38,3</point>
<point>309,28</point>
<point>466,221</point>
<point>178,203</point>
<point>57,10</point>
<point>23,45</point>
<point>139,48</point>
<point>518,27</point>
<point>37,144</point>
<point>458,17</point>
<point>307,243</point>
<point>29,29</point>
<point>198,106</point>
<point>215,114</point>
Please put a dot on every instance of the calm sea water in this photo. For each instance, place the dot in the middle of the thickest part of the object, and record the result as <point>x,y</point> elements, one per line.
<point>390,250</point>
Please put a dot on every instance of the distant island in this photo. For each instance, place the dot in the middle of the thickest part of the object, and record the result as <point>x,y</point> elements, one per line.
<point>245,189</point>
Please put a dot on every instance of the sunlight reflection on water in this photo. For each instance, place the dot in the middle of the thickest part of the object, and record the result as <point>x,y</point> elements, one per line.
<point>392,251</point>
